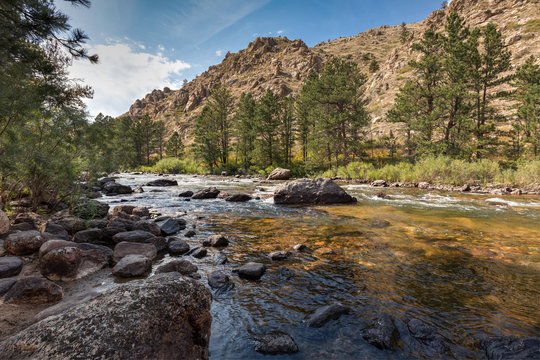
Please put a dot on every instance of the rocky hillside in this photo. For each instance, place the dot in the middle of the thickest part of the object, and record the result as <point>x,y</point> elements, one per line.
<point>282,65</point>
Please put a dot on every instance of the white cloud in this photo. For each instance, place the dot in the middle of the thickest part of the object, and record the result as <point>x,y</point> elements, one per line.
<point>219,52</point>
<point>123,75</point>
<point>279,32</point>
<point>161,47</point>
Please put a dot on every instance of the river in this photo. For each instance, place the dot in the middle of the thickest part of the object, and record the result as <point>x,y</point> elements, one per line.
<point>466,264</point>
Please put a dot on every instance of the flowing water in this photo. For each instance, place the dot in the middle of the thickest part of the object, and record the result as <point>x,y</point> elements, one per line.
<point>468,265</point>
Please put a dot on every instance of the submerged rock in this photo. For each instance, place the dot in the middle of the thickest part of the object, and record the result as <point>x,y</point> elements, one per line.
<point>276,342</point>
<point>325,314</point>
<point>198,252</point>
<point>430,342</point>
<point>217,279</point>
<point>311,191</point>
<point>279,255</point>
<point>510,347</point>
<point>175,324</point>
<point>382,333</point>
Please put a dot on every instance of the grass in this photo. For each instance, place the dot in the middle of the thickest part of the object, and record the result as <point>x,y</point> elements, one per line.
<point>532,26</point>
<point>443,170</point>
<point>174,166</point>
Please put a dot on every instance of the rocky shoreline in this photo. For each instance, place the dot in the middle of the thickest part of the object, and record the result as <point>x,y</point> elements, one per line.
<point>39,256</point>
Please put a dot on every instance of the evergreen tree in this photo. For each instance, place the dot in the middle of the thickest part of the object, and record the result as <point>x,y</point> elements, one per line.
<point>175,146</point>
<point>373,66</point>
<point>207,138</point>
<point>222,104</point>
<point>267,123</point>
<point>143,137</point>
<point>245,129</point>
<point>287,129</point>
<point>527,97</point>
<point>404,34</point>
<point>160,131</point>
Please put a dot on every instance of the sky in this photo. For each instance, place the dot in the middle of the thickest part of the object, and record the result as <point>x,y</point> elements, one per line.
<point>149,44</point>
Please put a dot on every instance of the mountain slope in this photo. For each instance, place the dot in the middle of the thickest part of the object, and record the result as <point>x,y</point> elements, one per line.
<point>282,65</point>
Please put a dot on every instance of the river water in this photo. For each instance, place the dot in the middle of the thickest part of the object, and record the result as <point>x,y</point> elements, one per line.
<point>466,264</point>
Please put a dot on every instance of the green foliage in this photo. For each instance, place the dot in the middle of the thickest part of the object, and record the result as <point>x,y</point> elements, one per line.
<point>404,34</point>
<point>373,66</point>
<point>175,146</point>
<point>175,166</point>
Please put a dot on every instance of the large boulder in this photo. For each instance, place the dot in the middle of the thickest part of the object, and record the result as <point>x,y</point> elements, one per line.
<point>148,226</point>
<point>208,193</point>
<point>61,260</point>
<point>132,266</point>
<point>92,236</point>
<point>124,249</point>
<point>171,226</point>
<point>4,223</point>
<point>177,246</point>
<point>382,332</point>
<point>162,182</point>
<point>72,224</point>
<point>238,198</point>
<point>251,271</point>
<point>511,347</point>
<point>57,230</point>
<point>138,236</point>
<point>280,174</point>
<point>25,242</point>
<point>115,188</point>
<point>311,191</point>
<point>10,266</point>
<point>164,317</point>
<point>276,343</point>
<point>33,290</point>
<point>181,266</point>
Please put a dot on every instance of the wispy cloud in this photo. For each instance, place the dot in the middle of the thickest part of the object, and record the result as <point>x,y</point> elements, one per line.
<point>124,74</point>
<point>219,53</point>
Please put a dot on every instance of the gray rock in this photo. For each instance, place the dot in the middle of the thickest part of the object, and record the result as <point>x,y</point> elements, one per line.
<point>181,266</point>
<point>141,211</point>
<point>4,223</point>
<point>10,266</point>
<point>114,188</point>
<point>25,242</point>
<point>33,290</point>
<point>162,182</point>
<point>61,260</point>
<point>276,343</point>
<point>124,249</point>
<point>382,333</point>
<point>279,174</point>
<point>91,236</point>
<point>279,255</point>
<point>186,194</point>
<point>219,280</point>
<point>510,347</point>
<point>6,284</point>
<point>138,236</point>
<point>238,198</point>
<point>126,209</point>
<point>379,183</point>
<point>22,226</point>
<point>97,223</point>
<point>251,271</point>
<point>428,339</point>
<point>172,226</point>
<point>72,224</point>
<point>102,181</point>
<point>190,233</point>
<point>198,252</point>
<point>175,324</point>
<point>325,314</point>
<point>125,224</point>
<point>133,266</point>
<point>216,241</point>
<point>178,247</point>
<point>219,259</point>
<point>148,226</point>
<point>138,189</point>
<point>208,193</point>
<point>57,230</point>
<point>311,191</point>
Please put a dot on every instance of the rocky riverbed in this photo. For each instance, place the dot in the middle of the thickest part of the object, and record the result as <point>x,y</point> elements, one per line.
<point>402,273</point>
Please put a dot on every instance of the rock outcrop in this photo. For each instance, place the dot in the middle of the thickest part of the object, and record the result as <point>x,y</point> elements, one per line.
<point>164,317</point>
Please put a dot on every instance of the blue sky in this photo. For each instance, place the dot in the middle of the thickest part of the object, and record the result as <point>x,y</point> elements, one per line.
<point>149,44</point>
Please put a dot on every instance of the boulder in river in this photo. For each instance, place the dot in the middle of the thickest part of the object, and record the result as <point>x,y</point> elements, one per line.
<point>171,226</point>
<point>208,193</point>
<point>61,260</point>
<point>325,314</point>
<point>162,182</point>
<point>25,242</point>
<point>187,194</point>
<point>238,197</point>
<point>132,266</point>
<point>114,188</point>
<point>279,255</point>
<point>382,332</point>
<point>148,226</point>
<point>124,249</point>
<point>4,223</point>
<point>216,241</point>
<point>175,324</point>
<point>181,266</point>
<point>139,236</point>
<point>311,191</point>
<point>217,279</point>
<point>198,252</point>
<point>91,236</point>
<point>10,266</point>
<point>177,246</point>
<point>279,174</point>
<point>33,290</point>
<point>276,342</point>
<point>251,271</point>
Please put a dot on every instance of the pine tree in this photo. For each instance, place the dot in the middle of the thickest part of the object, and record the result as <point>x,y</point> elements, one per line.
<point>527,97</point>
<point>175,146</point>
<point>245,129</point>
<point>267,127</point>
<point>404,34</point>
<point>222,104</point>
<point>287,129</point>
<point>160,131</point>
<point>207,138</point>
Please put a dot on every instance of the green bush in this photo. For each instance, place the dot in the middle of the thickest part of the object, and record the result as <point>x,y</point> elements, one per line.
<point>175,166</point>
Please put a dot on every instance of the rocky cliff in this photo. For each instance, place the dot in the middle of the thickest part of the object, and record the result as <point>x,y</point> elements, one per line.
<point>282,65</point>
